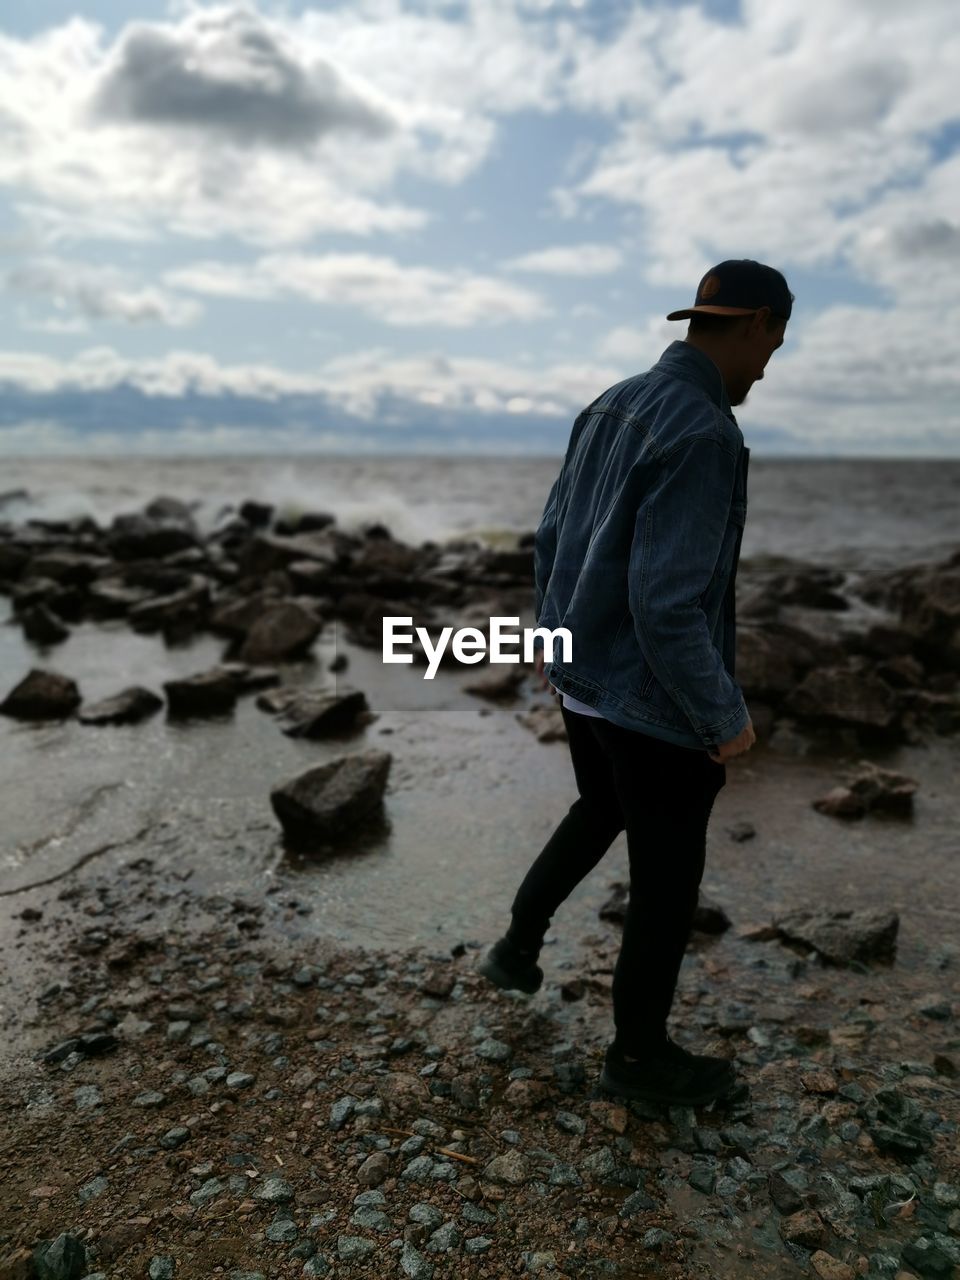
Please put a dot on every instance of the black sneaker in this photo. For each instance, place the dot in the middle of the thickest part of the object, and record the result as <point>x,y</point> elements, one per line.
<point>510,969</point>
<point>669,1074</point>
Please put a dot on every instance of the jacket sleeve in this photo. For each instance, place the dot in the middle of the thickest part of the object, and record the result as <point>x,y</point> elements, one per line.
<point>545,546</point>
<point>677,541</point>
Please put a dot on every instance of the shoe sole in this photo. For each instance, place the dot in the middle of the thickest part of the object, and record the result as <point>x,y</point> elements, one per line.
<point>506,981</point>
<point>721,1085</point>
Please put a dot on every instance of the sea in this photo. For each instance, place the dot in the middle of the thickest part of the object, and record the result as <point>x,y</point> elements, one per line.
<point>848,513</point>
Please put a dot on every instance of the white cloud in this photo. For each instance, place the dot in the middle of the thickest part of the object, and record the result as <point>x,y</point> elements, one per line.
<point>407,296</point>
<point>569,260</point>
<point>98,293</point>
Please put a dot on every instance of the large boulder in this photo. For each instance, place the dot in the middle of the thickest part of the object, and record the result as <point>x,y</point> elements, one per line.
<point>42,695</point>
<point>327,802</point>
<point>137,537</point>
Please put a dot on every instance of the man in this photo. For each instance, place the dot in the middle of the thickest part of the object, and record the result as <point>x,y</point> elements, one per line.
<point>637,554</point>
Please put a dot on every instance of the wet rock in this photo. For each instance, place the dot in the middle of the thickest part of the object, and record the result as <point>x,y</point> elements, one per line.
<point>546,721</point>
<point>499,684</point>
<point>326,802</point>
<point>126,707</point>
<point>709,917</point>
<point>869,788</point>
<point>314,713</point>
<point>741,831</point>
<point>842,936</point>
<point>41,695</point>
<point>63,1258</point>
<point>41,625</point>
<point>284,630</point>
<point>207,693</point>
<point>142,537</point>
<point>848,695</point>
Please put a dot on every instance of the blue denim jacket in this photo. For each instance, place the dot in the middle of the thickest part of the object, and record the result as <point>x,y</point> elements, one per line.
<point>637,551</point>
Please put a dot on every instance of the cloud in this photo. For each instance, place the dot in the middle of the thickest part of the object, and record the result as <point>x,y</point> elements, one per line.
<point>569,260</point>
<point>98,293</point>
<point>230,72</point>
<point>407,296</point>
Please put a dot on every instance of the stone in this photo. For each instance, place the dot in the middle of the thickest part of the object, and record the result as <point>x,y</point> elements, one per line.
<point>280,632</point>
<point>413,1264</point>
<point>129,706</point>
<point>274,1190</point>
<point>804,1228</point>
<point>63,1258</point>
<point>828,1267</point>
<point>208,693</point>
<point>841,936</point>
<point>42,695</point>
<point>329,800</point>
<point>510,1169</point>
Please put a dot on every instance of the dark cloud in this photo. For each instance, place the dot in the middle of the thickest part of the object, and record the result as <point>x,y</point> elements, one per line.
<point>232,75</point>
<point>936,237</point>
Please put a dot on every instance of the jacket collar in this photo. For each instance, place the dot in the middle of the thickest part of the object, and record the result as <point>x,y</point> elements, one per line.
<point>684,360</point>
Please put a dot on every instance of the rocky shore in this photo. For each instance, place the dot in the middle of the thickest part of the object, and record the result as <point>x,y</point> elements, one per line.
<point>192,1085</point>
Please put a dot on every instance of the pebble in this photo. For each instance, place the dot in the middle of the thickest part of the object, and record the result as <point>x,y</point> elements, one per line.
<point>426,1214</point>
<point>477,1244</point>
<point>444,1238</point>
<point>414,1264</point>
<point>282,1231</point>
<point>340,1112</point>
<point>493,1050</point>
<point>353,1248</point>
<point>87,1096</point>
<point>274,1191</point>
<point>208,1191</point>
<point>161,1267</point>
<point>151,1098</point>
<point>656,1238</point>
<point>90,1190</point>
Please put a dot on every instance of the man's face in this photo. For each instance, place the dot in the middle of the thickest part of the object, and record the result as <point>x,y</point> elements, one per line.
<point>757,346</point>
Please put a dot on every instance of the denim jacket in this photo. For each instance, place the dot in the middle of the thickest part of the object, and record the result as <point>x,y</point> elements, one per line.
<point>637,551</point>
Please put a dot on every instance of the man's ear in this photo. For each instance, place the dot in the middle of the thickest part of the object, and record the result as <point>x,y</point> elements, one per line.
<point>759,320</point>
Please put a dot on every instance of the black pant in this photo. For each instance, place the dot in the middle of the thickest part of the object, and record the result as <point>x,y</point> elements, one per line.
<point>662,795</point>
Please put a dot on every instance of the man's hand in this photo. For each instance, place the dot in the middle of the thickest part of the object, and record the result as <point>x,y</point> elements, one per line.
<point>735,747</point>
<point>538,665</point>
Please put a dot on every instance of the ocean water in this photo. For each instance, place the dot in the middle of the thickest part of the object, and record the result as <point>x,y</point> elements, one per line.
<point>849,513</point>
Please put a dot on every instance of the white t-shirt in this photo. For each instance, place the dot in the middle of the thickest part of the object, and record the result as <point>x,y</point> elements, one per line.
<point>574,704</point>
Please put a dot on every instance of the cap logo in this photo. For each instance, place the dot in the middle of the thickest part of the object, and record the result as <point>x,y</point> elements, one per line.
<point>710,286</point>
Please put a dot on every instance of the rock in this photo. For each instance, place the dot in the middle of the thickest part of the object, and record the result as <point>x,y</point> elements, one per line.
<point>509,1169</point>
<point>499,684</point>
<point>741,831</point>
<point>90,1190</point>
<point>403,1092</point>
<point>523,1095</point>
<point>656,1238</point>
<point>848,695</point>
<point>546,721</point>
<point>414,1264</point>
<point>354,1248</point>
<point>284,630</point>
<point>240,1080</point>
<point>61,1259</point>
<point>274,1190</point>
<point>161,1267</point>
<point>493,1050</point>
<point>326,802</point>
<point>314,713</point>
<point>710,918</point>
<point>374,1169</point>
<point>18,1265</point>
<point>42,695</point>
<point>841,936</point>
<point>207,693</point>
<point>870,788</point>
<point>141,537</point>
<point>932,1257</point>
<point>828,1267</point>
<point>41,625</point>
<point>126,707</point>
<point>805,1229</point>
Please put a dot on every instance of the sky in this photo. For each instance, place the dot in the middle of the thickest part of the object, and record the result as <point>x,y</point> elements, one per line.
<point>433,226</point>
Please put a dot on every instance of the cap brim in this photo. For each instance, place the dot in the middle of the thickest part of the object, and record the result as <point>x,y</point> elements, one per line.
<point>706,309</point>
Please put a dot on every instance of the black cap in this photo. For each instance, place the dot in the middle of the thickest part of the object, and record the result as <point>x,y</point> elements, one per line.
<point>739,287</point>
